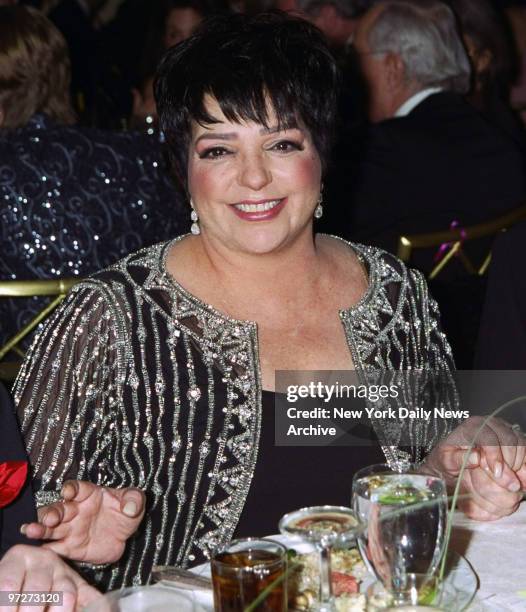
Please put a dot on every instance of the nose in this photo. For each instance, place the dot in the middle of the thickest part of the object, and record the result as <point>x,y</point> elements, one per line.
<point>254,172</point>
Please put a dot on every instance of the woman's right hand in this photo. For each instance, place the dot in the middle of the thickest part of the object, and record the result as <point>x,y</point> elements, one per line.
<point>91,524</point>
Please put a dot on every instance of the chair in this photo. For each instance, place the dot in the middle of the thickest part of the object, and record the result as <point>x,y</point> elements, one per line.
<point>30,288</point>
<point>455,239</point>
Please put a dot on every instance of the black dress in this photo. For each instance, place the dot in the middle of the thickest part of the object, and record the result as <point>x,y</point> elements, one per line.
<point>290,477</point>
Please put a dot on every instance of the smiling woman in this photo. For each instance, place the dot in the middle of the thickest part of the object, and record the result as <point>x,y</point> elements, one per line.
<point>158,373</point>
<point>241,175</point>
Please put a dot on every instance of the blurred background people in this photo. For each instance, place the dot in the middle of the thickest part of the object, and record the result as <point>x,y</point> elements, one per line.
<point>74,19</point>
<point>72,200</point>
<point>429,158</point>
<point>516,14</point>
<point>337,19</point>
<point>489,44</point>
<point>171,22</point>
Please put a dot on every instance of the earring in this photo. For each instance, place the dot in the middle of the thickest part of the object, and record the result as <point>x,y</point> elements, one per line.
<point>318,211</point>
<point>195,229</point>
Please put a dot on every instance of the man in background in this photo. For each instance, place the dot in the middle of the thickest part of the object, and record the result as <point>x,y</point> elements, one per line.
<point>429,158</point>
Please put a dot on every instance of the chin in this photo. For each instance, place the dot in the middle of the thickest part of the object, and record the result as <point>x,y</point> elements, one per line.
<point>261,241</point>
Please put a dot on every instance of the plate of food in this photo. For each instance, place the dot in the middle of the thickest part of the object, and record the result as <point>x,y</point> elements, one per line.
<point>351,580</point>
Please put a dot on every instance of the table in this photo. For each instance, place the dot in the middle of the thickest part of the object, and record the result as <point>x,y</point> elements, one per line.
<point>497,552</point>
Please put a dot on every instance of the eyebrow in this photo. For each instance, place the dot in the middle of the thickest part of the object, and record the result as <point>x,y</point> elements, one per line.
<point>233,135</point>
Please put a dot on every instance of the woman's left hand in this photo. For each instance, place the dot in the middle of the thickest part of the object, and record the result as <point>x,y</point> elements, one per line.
<point>495,472</point>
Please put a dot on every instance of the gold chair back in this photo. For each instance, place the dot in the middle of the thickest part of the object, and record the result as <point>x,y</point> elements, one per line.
<point>455,239</point>
<point>29,288</point>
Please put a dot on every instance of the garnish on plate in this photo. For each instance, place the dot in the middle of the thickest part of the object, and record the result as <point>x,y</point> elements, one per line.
<point>348,571</point>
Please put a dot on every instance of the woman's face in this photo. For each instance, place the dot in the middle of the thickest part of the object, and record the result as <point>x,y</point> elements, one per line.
<point>481,59</point>
<point>180,25</point>
<point>254,189</point>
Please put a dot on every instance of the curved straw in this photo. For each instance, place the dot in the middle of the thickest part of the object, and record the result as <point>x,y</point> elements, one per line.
<point>461,474</point>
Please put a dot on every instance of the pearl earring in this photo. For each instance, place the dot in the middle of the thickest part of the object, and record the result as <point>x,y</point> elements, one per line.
<point>318,211</point>
<point>195,229</point>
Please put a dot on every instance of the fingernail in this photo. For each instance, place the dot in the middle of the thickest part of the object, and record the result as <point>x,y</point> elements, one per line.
<point>130,508</point>
<point>23,529</point>
<point>497,470</point>
<point>514,487</point>
<point>473,458</point>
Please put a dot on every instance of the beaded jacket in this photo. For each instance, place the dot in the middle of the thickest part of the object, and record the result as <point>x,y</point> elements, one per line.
<point>136,382</point>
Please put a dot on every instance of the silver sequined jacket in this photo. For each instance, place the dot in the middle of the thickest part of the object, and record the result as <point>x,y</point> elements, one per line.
<point>135,382</point>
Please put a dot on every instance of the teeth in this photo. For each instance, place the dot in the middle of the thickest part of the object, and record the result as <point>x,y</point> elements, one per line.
<point>257,207</point>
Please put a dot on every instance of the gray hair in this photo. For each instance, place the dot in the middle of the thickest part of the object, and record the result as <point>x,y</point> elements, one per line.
<point>424,33</point>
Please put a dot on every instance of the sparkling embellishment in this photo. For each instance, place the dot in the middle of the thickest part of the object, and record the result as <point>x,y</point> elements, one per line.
<point>194,393</point>
<point>114,409</point>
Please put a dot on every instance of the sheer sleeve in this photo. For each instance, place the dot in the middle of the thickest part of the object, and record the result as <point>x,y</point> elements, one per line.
<point>437,377</point>
<point>65,390</point>
<point>437,349</point>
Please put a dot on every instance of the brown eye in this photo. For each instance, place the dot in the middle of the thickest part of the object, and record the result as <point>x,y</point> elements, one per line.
<point>213,153</point>
<point>286,146</point>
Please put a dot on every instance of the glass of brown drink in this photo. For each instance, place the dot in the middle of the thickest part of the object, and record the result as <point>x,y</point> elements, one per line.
<point>241,572</point>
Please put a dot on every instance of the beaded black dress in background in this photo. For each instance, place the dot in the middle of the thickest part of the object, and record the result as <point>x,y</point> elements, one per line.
<point>136,382</point>
<point>73,201</point>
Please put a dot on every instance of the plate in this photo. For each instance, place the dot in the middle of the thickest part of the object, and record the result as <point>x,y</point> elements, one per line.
<point>461,581</point>
<point>156,598</point>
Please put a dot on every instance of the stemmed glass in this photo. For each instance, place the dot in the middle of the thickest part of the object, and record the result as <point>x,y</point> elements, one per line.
<point>400,542</point>
<point>325,527</point>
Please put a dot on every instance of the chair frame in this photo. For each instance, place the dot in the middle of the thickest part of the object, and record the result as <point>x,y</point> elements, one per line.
<point>31,288</point>
<point>456,237</point>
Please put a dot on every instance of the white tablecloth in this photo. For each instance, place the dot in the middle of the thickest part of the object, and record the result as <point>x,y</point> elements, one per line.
<point>497,552</point>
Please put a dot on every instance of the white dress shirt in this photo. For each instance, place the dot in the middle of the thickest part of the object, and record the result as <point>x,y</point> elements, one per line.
<point>412,102</point>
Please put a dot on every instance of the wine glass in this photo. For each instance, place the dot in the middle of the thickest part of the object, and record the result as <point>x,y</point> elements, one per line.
<point>405,516</point>
<point>325,527</point>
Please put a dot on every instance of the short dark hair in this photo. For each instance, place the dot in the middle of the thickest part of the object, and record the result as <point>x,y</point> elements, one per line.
<point>245,62</point>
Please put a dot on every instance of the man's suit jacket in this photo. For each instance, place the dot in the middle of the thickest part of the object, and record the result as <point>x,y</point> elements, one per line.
<point>22,509</point>
<point>442,162</point>
<point>502,338</point>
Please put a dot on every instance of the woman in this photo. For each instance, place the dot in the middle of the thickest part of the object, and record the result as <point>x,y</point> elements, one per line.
<point>72,200</point>
<point>158,372</point>
<point>172,22</point>
<point>487,40</point>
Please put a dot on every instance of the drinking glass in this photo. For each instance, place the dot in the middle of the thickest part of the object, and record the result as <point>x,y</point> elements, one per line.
<point>247,569</point>
<point>405,518</point>
<point>325,527</point>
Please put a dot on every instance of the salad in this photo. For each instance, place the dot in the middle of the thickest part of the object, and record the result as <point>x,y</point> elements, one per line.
<point>348,571</point>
